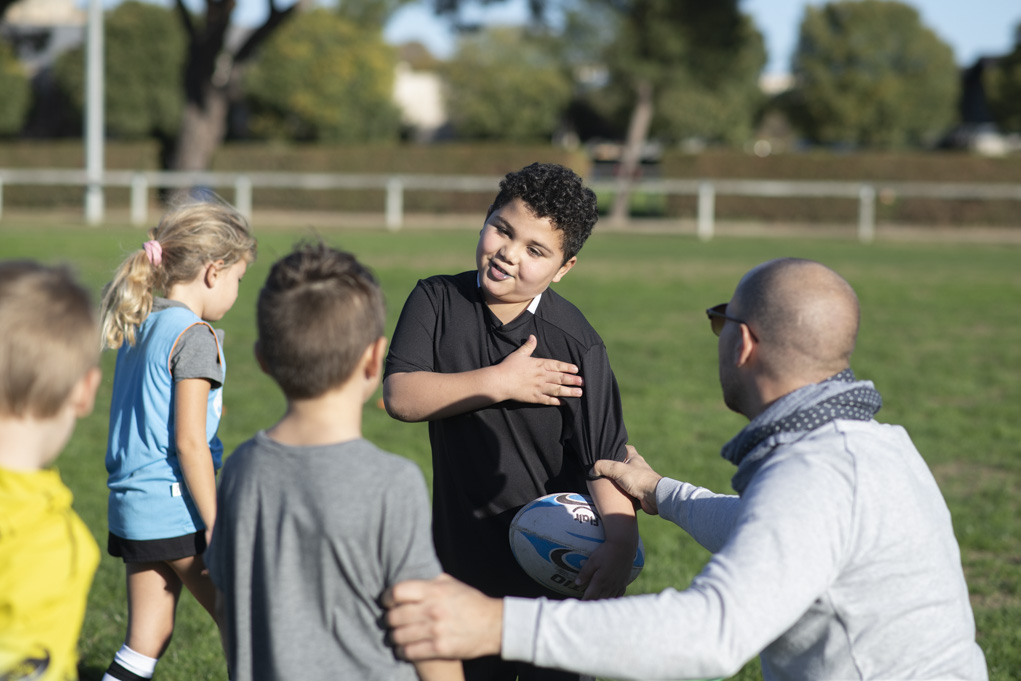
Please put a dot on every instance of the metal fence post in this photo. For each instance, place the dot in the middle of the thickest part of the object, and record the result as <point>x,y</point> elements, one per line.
<point>243,195</point>
<point>394,203</point>
<point>139,199</point>
<point>706,210</point>
<point>866,214</point>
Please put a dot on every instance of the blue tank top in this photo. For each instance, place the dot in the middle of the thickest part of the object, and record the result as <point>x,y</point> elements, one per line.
<point>148,495</point>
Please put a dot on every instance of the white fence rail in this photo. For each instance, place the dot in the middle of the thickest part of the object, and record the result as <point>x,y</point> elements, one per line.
<point>244,186</point>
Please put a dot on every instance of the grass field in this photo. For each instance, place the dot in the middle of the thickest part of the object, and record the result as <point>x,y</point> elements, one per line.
<point>940,337</point>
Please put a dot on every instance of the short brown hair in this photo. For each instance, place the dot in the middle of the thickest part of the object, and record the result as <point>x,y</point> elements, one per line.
<point>48,337</point>
<point>317,313</point>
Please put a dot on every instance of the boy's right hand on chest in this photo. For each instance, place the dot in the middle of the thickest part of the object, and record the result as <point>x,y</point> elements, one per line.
<point>537,380</point>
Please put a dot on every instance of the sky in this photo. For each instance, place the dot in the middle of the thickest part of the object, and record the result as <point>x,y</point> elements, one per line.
<point>973,28</point>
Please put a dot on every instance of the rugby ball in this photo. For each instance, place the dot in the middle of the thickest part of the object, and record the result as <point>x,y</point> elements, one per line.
<point>553,536</point>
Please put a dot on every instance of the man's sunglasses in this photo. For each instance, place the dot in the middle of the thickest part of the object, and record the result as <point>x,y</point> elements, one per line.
<point>718,317</point>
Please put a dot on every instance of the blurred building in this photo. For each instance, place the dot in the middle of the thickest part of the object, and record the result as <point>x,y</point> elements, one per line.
<point>40,30</point>
<point>419,95</point>
<point>773,84</point>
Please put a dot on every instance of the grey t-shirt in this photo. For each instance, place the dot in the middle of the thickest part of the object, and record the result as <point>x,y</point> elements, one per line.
<point>306,541</point>
<point>196,355</point>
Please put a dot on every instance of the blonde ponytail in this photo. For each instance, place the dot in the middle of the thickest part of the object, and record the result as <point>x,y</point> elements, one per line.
<point>188,237</point>
<point>127,300</point>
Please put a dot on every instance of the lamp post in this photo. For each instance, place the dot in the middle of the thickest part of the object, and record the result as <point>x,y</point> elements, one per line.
<point>94,114</point>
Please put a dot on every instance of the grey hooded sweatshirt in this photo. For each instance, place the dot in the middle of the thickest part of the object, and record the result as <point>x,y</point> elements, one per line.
<point>837,561</point>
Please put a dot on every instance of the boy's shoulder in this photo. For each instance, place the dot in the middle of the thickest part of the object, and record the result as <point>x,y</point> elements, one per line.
<point>261,450</point>
<point>455,294</point>
<point>464,282</point>
<point>557,311</point>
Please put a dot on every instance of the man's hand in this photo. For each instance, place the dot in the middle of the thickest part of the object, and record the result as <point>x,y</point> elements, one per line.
<point>442,618</point>
<point>634,476</point>
<point>536,380</point>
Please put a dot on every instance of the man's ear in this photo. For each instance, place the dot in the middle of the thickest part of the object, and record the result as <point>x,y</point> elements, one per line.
<point>748,347</point>
<point>83,394</point>
<point>564,269</point>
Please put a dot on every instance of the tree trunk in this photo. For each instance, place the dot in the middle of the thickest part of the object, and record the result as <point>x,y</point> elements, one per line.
<point>631,155</point>
<point>211,78</point>
<point>202,131</point>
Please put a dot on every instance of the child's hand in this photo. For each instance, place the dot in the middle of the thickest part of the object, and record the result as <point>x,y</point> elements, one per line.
<point>607,571</point>
<point>537,380</point>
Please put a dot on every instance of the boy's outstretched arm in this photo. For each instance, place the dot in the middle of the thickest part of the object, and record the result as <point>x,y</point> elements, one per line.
<point>608,569</point>
<point>429,395</point>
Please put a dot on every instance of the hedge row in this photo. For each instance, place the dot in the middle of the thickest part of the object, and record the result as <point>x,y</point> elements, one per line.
<point>857,167</point>
<point>495,160</point>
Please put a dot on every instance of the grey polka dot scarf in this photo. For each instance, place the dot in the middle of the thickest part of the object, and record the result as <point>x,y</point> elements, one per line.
<point>805,409</point>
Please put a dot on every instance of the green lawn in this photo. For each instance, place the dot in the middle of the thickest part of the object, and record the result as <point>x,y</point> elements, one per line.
<point>941,338</point>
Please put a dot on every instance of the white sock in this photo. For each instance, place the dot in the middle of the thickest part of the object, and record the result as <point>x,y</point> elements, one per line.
<point>133,661</point>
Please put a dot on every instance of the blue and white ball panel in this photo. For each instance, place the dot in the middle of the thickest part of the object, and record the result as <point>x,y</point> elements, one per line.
<point>553,536</point>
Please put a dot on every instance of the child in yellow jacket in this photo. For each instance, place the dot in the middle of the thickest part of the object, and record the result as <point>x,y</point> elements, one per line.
<point>49,351</point>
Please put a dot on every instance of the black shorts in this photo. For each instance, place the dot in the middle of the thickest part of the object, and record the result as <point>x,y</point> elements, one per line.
<point>153,550</point>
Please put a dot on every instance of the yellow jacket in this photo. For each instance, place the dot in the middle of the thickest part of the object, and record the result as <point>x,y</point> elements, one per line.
<point>47,561</point>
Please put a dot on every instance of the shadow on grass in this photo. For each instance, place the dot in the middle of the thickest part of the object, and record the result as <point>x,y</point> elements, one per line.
<point>90,673</point>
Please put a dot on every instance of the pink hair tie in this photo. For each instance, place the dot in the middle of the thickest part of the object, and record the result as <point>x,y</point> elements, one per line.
<point>154,252</point>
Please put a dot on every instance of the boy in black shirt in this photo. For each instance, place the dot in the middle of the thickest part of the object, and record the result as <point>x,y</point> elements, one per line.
<point>518,392</point>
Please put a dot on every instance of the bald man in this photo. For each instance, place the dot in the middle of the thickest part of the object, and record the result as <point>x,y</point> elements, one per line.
<point>835,560</point>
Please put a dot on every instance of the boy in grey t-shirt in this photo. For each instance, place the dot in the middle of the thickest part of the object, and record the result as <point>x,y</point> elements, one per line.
<point>314,522</point>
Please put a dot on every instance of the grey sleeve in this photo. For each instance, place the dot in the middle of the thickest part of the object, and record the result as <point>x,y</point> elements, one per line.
<point>197,355</point>
<point>408,551</point>
<point>707,516</point>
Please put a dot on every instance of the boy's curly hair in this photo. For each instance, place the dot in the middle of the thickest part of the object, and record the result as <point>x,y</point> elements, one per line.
<point>555,192</point>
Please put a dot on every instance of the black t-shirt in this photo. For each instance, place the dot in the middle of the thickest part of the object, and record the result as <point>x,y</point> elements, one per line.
<point>490,462</point>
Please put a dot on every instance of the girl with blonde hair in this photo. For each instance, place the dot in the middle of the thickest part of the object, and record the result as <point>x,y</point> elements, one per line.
<point>163,452</point>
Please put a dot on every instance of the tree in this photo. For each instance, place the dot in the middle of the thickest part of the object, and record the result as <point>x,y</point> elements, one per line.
<point>502,84</point>
<point>869,73</point>
<point>144,56</point>
<point>212,74</point>
<point>714,99</point>
<point>370,14</point>
<point>696,58</point>
<point>324,77</point>
<point>1002,83</point>
<point>649,45</point>
<point>214,69</point>
<point>17,93</point>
